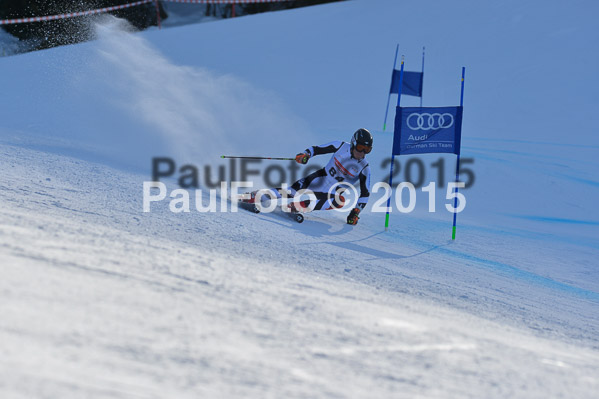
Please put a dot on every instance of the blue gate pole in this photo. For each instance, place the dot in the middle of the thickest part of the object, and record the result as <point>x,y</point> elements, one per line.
<point>389,95</point>
<point>392,154</point>
<point>457,168</point>
<point>422,86</point>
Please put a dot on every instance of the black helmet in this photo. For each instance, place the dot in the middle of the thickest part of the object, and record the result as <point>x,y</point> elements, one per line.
<point>363,139</point>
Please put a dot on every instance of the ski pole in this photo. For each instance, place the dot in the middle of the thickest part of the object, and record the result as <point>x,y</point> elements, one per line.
<point>271,158</point>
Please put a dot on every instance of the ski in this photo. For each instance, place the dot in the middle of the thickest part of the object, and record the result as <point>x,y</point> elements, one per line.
<point>252,207</point>
<point>298,217</point>
<point>294,213</point>
<point>248,206</point>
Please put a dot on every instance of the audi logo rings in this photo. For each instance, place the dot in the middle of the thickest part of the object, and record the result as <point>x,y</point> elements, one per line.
<point>426,121</point>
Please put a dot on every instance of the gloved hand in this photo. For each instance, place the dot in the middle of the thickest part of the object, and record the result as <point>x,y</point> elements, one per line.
<point>302,158</point>
<point>352,218</point>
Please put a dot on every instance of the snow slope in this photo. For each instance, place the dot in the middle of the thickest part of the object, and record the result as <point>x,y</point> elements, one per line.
<point>102,300</point>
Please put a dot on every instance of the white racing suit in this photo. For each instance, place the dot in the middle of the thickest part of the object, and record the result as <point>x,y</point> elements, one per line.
<point>342,167</point>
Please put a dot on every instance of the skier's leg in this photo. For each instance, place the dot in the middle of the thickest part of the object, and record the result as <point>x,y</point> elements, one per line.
<point>328,201</point>
<point>321,200</point>
<point>296,186</point>
<point>306,181</point>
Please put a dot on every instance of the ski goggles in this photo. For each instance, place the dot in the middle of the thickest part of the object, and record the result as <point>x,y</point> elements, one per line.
<point>363,148</point>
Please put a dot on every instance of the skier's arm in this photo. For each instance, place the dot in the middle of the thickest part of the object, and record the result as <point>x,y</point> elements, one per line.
<point>364,187</point>
<point>327,148</point>
<point>353,217</point>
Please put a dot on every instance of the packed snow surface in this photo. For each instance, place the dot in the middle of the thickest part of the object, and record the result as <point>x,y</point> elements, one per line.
<point>100,299</point>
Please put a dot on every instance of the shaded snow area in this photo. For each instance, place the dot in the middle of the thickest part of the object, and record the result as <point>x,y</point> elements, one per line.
<point>99,299</point>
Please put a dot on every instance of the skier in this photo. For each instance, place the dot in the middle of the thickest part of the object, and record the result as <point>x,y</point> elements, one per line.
<point>348,164</point>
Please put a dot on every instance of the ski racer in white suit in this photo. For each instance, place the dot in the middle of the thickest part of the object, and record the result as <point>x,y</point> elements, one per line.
<point>348,164</point>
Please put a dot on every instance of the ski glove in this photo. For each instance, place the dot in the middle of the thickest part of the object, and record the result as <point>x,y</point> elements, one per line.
<point>302,158</point>
<point>352,218</point>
